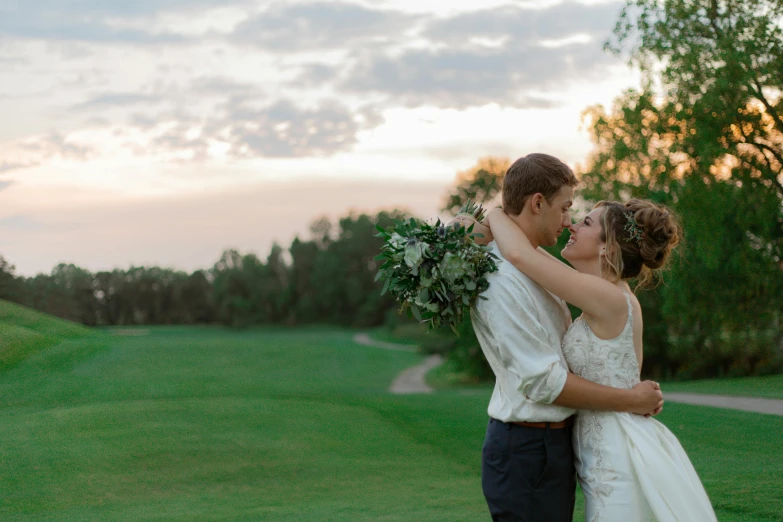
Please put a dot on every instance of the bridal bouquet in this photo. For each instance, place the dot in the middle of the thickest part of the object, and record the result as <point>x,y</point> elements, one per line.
<point>435,271</point>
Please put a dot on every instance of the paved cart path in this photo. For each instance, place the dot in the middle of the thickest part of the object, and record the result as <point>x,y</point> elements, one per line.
<point>769,406</point>
<point>413,380</point>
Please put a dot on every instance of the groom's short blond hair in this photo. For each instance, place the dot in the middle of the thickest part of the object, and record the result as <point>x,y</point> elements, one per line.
<point>533,174</point>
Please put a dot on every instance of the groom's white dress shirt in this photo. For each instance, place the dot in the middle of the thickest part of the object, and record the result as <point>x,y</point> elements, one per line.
<point>520,328</point>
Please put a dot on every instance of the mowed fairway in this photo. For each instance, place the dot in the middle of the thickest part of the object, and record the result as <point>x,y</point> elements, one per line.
<point>286,425</point>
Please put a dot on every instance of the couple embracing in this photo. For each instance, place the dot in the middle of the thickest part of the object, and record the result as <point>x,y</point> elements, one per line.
<point>630,467</point>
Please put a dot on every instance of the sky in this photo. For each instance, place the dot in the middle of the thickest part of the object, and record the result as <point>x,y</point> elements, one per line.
<point>162,132</point>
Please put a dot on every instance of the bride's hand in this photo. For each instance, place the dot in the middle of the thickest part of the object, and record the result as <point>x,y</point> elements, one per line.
<point>492,213</point>
<point>466,220</point>
<point>508,234</point>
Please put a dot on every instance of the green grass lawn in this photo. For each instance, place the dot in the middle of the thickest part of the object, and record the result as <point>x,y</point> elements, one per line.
<point>770,387</point>
<point>285,425</point>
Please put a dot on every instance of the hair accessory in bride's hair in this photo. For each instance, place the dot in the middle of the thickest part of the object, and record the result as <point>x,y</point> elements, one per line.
<point>632,227</point>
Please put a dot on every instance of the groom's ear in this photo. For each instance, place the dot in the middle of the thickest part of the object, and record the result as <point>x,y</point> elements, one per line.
<point>536,202</point>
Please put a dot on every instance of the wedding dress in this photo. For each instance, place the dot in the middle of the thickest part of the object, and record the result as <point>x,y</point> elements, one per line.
<point>630,468</point>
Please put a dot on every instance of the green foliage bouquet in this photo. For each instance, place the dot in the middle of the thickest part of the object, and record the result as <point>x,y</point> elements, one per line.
<point>437,272</point>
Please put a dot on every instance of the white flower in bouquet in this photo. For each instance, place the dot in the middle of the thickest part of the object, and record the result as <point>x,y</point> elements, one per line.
<point>453,267</point>
<point>397,240</point>
<point>414,254</point>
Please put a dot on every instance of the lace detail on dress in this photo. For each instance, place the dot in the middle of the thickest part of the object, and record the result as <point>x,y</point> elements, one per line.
<point>607,362</point>
<point>628,373</point>
<point>589,366</point>
<point>591,434</point>
<point>592,368</point>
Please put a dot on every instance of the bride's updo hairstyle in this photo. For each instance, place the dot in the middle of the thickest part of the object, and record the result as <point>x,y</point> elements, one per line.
<point>639,235</point>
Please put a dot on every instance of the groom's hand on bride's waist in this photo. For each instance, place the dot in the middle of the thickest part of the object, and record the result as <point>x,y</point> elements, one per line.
<point>648,398</point>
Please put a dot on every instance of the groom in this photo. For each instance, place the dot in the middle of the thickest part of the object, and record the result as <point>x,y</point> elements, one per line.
<point>527,470</point>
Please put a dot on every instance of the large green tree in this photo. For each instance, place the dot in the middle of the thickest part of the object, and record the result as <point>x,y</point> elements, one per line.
<point>705,136</point>
<point>717,111</point>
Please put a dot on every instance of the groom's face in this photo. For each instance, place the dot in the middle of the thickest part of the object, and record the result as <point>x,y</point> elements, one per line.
<point>556,216</point>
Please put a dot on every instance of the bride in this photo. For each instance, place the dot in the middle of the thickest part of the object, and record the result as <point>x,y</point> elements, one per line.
<point>630,468</point>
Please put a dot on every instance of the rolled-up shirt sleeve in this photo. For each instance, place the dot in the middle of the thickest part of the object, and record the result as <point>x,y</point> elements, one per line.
<point>523,345</point>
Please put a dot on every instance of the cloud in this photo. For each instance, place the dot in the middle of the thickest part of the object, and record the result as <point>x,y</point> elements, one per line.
<point>93,8</point>
<point>315,75</point>
<point>55,26</point>
<point>225,86</point>
<point>33,152</point>
<point>95,20</point>
<point>279,130</point>
<point>55,144</point>
<point>184,122</point>
<point>527,24</point>
<point>119,99</point>
<point>505,56</point>
<point>7,61</point>
<point>464,78</point>
<point>283,130</point>
<point>6,166</point>
<point>192,93</point>
<point>5,184</point>
<point>320,26</point>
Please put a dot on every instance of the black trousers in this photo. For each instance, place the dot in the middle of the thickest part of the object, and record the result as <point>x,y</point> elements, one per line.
<point>527,474</point>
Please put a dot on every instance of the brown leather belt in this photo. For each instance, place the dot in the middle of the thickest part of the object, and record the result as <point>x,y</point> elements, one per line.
<point>552,425</point>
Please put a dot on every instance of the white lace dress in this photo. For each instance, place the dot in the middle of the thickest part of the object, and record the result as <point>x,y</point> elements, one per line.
<point>631,468</point>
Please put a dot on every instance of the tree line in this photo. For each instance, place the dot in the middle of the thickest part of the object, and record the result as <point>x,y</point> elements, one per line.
<point>328,278</point>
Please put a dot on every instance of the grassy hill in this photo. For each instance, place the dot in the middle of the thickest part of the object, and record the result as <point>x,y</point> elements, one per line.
<point>24,332</point>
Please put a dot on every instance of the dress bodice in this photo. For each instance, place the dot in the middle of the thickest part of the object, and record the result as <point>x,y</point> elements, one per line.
<point>611,362</point>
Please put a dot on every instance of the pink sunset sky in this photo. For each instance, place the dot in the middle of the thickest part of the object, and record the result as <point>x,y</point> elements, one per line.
<point>163,132</point>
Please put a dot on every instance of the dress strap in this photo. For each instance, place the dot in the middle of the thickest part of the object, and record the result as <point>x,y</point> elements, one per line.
<point>629,321</point>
